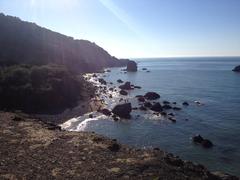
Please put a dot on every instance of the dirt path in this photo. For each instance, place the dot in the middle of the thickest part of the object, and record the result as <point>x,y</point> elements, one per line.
<point>32,150</point>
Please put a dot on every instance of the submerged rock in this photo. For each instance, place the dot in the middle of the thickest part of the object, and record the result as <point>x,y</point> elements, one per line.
<point>123,92</point>
<point>185,103</point>
<point>131,66</point>
<point>142,108</point>
<point>166,106</point>
<point>106,112</point>
<point>152,96</point>
<point>166,102</point>
<point>157,107</point>
<point>197,139</point>
<point>141,99</point>
<point>207,143</point>
<point>177,108</point>
<point>204,142</point>
<point>236,69</point>
<point>119,81</point>
<point>123,110</point>
<point>126,86</point>
<point>148,104</point>
<point>137,87</point>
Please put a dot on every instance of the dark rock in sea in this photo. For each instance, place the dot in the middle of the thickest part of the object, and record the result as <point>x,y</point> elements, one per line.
<point>197,139</point>
<point>157,107</point>
<point>114,147</point>
<point>110,89</point>
<point>90,116</point>
<point>166,106</point>
<point>102,81</point>
<point>166,102</point>
<point>172,119</point>
<point>106,112</point>
<point>177,108</point>
<point>110,96</point>
<point>94,75</point>
<point>126,86</point>
<point>144,69</point>
<point>207,143</point>
<point>134,108</point>
<point>147,104</point>
<point>236,69</point>
<point>175,103</point>
<point>163,113</point>
<point>108,70</point>
<point>119,81</point>
<point>142,108</point>
<point>123,110</point>
<point>111,83</point>
<point>131,66</point>
<point>152,96</point>
<point>123,92</point>
<point>141,99</point>
<point>185,103</point>
<point>147,71</point>
<point>171,114</point>
<point>137,87</point>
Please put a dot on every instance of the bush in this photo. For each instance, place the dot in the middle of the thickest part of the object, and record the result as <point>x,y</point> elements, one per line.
<point>39,89</point>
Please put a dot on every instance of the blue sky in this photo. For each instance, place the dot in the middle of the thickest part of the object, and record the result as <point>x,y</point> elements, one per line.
<point>140,28</point>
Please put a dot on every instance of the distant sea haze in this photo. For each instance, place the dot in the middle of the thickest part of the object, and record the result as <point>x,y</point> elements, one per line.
<point>210,81</point>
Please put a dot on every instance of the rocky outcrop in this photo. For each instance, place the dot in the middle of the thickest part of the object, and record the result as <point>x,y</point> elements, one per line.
<point>123,110</point>
<point>131,66</point>
<point>152,96</point>
<point>204,142</point>
<point>157,107</point>
<point>126,86</point>
<point>236,69</point>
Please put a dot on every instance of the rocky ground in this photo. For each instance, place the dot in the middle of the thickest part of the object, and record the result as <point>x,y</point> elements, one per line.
<point>30,149</point>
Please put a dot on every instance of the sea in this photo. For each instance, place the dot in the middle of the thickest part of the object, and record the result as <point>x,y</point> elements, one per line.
<point>209,81</point>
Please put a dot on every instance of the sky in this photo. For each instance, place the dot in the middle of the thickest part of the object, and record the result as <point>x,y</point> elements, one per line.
<point>140,28</point>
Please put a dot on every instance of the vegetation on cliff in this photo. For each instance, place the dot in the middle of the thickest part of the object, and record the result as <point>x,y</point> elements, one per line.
<point>40,89</point>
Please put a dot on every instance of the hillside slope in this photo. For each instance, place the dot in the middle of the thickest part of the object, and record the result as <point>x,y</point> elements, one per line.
<point>24,42</point>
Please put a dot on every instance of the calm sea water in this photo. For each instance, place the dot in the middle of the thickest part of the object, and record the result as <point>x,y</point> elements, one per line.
<point>208,80</point>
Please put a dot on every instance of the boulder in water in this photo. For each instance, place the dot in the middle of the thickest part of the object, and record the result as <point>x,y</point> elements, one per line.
<point>185,103</point>
<point>123,92</point>
<point>157,107</point>
<point>207,143</point>
<point>166,106</point>
<point>123,110</point>
<point>120,81</point>
<point>197,139</point>
<point>152,96</point>
<point>131,66</point>
<point>126,86</point>
<point>106,112</point>
<point>236,69</point>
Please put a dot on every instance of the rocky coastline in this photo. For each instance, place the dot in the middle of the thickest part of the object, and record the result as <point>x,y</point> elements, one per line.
<point>36,147</point>
<point>31,149</point>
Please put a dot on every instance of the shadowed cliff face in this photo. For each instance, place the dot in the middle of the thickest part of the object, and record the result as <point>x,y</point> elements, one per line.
<point>24,42</point>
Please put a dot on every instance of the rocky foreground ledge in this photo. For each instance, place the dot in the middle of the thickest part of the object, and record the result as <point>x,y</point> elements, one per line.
<point>31,149</point>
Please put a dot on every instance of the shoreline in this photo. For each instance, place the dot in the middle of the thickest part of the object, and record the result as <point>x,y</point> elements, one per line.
<point>42,151</point>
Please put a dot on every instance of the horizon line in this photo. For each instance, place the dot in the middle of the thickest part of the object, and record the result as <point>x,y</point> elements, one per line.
<point>156,57</point>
